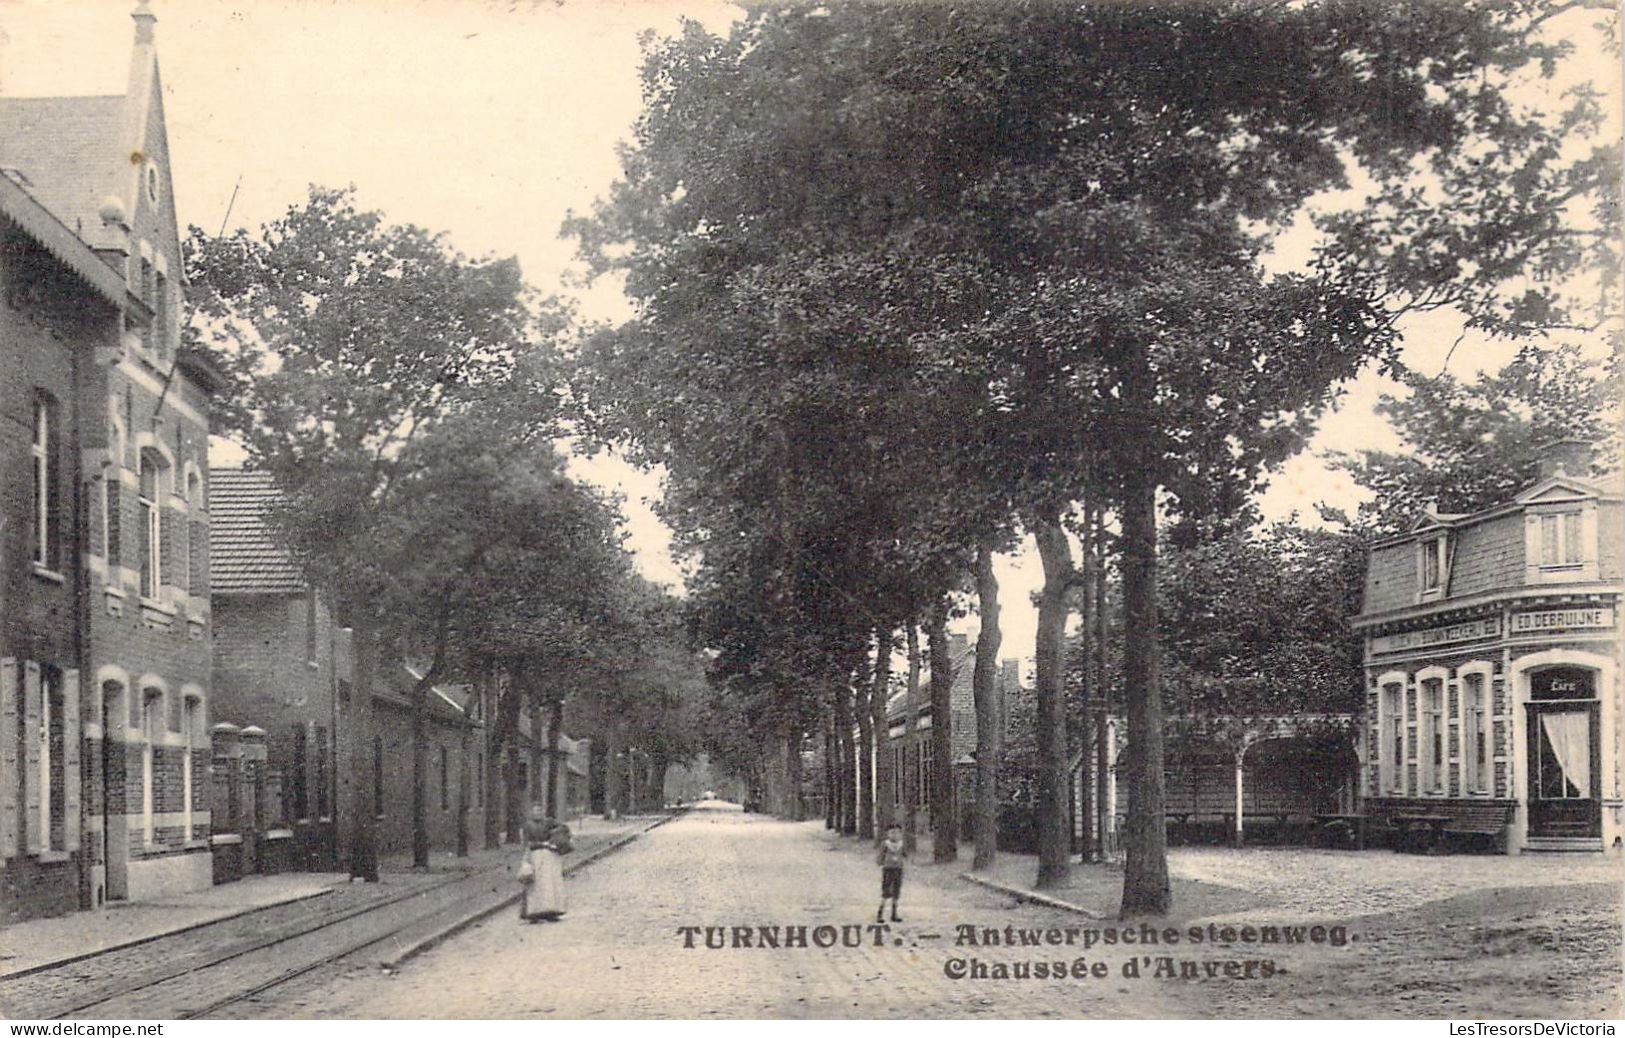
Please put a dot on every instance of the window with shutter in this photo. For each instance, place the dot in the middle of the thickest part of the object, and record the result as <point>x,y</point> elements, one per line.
<point>10,765</point>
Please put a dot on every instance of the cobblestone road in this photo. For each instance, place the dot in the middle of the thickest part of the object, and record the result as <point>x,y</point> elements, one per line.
<point>619,953</point>
<point>188,971</point>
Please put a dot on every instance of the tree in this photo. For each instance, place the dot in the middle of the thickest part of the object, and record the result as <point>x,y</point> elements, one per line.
<point>1084,204</point>
<point>1471,445</point>
<point>348,339</point>
<point>1256,625</point>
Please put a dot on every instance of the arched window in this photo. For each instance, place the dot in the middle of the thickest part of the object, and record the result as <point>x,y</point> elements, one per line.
<point>194,503</point>
<point>150,523</point>
<point>152,727</point>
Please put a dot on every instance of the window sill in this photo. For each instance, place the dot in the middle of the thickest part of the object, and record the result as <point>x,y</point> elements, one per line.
<point>53,857</point>
<point>46,573</point>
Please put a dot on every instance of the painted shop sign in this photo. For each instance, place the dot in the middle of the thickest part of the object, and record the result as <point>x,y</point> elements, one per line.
<point>1561,619</point>
<point>1488,627</point>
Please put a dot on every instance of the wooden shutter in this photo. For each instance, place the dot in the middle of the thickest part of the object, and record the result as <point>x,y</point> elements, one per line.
<point>10,771</point>
<point>32,836</point>
<point>198,579</point>
<point>114,520</point>
<point>72,779</point>
<point>168,549</point>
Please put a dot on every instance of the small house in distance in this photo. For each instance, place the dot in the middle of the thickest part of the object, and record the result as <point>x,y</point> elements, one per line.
<point>1492,639</point>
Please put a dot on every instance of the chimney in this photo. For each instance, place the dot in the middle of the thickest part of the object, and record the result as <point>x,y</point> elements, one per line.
<point>957,646</point>
<point>1571,456</point>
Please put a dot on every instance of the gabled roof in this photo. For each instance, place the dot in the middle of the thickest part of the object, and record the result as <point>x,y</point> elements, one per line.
<point>244,556</point>
<point>70,151</point>
<point>1564,487</point>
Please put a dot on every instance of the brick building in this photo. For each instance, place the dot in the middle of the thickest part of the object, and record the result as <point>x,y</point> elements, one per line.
<point>104,742</point>
<point>281,665</point>
<point>912,751</point>
<point>1492,663</point>
<point>276,668</point>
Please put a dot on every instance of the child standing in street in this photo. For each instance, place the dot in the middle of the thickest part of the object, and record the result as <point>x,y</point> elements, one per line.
<point>890,857</point>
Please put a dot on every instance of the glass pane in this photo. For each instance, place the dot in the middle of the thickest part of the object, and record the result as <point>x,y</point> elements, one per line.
<point>1571,538</point>
<point>1565,756</point>
<point>1548,540</point>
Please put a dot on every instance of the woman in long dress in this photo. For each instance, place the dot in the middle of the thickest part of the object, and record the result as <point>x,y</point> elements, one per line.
<point>546,841</point>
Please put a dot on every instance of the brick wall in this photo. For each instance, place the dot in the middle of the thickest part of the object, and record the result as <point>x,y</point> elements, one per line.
<point>394,726</point>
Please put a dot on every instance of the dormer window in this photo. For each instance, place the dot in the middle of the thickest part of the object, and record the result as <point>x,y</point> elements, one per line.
<point>1561,540</point>
<point>1432,565</point>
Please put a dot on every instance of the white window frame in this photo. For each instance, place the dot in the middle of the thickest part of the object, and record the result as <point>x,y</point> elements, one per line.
<point>1433,734</point>
<point>151,524</point>
<point>1433,548</point>
<point>1568,541</point>
<point>1391,732</point>
<point>1476,728</point>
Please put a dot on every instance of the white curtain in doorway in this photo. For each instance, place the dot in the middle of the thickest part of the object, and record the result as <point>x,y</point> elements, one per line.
<point>1569,735</point>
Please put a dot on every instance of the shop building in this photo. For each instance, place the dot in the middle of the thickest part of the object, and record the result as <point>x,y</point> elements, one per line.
<point>1492,652</point>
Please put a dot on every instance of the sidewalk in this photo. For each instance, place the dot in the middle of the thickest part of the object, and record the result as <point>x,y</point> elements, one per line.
<point>40,944</point>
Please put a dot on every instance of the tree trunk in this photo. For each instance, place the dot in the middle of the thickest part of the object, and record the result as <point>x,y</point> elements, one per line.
<point>830,792</point>
<point>792,769</point>
<point>612,773</point>
<point>944,823</point>
<point>1085,806</point>
<point>1145,839</point>
<point>1054,866</point>
<point>989,739</point>
<point>361,782</point>
<point>848,760</point>
<point>1103,807</point>
<point>885,780</point>
<point>911,746</point>
<point>861,693</point>
<point>658,766</point>
<point>555,724</point>
<point>500,735</point>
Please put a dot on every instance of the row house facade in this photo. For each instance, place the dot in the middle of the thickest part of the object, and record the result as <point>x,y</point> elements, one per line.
<point>104,664</point>
<point>1492,652</point>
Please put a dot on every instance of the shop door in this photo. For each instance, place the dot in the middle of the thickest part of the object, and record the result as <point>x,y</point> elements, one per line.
<point>1565,781</point>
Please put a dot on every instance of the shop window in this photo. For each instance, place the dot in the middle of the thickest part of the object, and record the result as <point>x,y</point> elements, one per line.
<point>1394,712</point>
<point>1475,748</point>
<point>1433,733</point>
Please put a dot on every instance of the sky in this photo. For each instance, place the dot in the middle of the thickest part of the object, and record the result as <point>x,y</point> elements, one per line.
<point>489,121</point>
